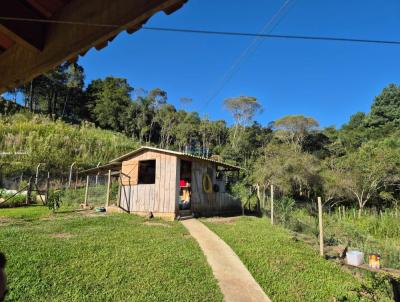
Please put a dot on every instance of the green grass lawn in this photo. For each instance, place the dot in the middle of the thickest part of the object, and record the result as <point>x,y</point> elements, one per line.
<point>120,257</point>
<point>290,270</point>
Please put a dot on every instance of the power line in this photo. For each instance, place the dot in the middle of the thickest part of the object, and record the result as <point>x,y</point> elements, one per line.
<point>214,32</point>
<point>296,37</point>
<point>268,27</point>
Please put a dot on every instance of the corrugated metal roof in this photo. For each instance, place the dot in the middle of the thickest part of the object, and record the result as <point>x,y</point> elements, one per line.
<point>178,154</point>
<point>113,166</point>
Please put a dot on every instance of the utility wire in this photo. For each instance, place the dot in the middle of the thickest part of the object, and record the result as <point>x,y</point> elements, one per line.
<point>297,37</point>
<point>214,32</point>
<point>268,27</point>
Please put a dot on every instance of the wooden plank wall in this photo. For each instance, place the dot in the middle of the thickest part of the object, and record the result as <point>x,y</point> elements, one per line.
<point>161,197</point>
<point>210,203</point>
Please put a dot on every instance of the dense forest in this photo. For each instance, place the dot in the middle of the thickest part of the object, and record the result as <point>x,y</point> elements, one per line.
<point>63,121</point>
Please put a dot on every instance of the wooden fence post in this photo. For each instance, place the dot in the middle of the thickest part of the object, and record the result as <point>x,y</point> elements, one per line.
<point>86,190</point>
<point>344,212</point>
<point>272,204</point>
<point>108,188</point>
<point>119,190</point>
<point>321,232</point>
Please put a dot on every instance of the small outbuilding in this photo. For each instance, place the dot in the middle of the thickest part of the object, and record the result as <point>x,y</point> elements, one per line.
<point>172,184</point>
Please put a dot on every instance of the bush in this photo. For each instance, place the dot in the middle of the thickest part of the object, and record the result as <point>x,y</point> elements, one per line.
<point>72,197</point>
<point>54,199</point>
<point>284,208</point>
<point>11,201</point>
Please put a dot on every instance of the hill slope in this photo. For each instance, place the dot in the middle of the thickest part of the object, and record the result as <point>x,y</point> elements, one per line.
<point>26,140</point>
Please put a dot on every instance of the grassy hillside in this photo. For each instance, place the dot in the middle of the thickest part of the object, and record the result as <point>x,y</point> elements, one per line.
<point>56,143</point>
<point>84,256</point>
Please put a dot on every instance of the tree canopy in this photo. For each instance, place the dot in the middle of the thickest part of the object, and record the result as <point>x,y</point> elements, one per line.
<point>355,164</point>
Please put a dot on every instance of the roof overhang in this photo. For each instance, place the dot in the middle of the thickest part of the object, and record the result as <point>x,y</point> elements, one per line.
<point>67,29</point>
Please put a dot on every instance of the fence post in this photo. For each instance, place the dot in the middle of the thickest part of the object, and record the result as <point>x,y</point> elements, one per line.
<point>70,174</point>
<point>272,204</point>
<point>97,175</point>
<point>28,192</point>
<point>108,188</point>
<point>344,212</point>
<point>47,187</point>
<point>119,191</point>
<point>37,173</point>
<point>321,232</point>
<point>86,190</point>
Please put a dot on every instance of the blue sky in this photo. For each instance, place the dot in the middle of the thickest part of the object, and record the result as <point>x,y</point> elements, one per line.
<point>326,80</point>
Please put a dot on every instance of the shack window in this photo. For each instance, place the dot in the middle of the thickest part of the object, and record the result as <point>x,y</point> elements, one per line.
<point>147,172</point>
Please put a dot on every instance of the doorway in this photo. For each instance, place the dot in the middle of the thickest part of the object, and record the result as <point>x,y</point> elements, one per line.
<point>185,185</point>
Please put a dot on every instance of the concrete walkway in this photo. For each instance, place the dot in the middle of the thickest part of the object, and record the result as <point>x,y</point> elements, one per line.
<point>235,281</point>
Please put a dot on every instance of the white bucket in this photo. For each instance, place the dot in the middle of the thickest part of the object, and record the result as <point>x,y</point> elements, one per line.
<point>355,258</point>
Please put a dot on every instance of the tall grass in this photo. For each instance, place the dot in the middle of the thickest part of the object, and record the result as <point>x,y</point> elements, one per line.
<point>373,232</point>
<point>56,143</point>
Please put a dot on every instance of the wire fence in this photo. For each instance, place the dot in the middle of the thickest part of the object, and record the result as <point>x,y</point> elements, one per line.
<point>76,189</point>
<point>373,231</point>
<point>91,191</point>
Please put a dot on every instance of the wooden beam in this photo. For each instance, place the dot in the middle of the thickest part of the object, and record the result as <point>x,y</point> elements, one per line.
<point>29,34</point>
<point>5,42</point>
<point>45,7</point>
<point>66,41</point>
<point>108,188</point>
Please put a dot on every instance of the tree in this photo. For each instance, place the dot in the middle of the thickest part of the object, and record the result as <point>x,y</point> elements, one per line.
<point>354,133</point>
<point>386,107</point>
<point>331,178</point>
<point>187,130</point>
<point>293,129</point>
<point>73,99</point>
<point>294,173</point>
<point>143,115</point>
<point>185,101</point>
<point>243,109</point>
<point>166,119</point>
<point>58,93</point>
<point>366,171</point>
<point>110,99</point>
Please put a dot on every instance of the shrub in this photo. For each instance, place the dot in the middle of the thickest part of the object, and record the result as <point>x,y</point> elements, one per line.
<point>11,200</point>
<point>284,208</point>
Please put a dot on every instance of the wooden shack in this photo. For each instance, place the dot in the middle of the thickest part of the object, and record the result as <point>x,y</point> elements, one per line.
<point>172,184</point>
